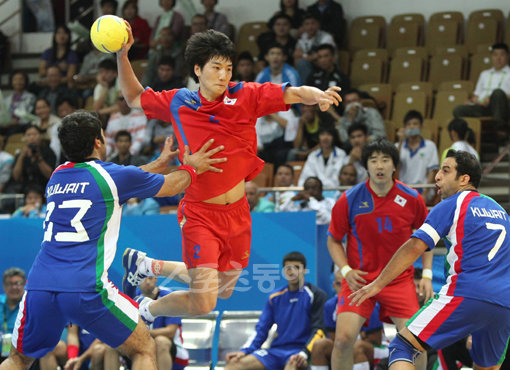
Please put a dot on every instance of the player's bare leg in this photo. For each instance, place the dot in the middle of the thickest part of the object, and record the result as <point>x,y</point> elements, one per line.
<point>140,348</point>
<point>321,352</point>
<point>228,281</point>
<point>17,360</point>
<point>400,323</point>
<point>348,325</point>
<point>247,362</point>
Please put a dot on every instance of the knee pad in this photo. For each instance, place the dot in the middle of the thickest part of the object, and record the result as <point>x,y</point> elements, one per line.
<point>402,350</point>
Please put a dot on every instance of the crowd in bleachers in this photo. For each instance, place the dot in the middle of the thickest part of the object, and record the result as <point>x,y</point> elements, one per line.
<point>423,91</point>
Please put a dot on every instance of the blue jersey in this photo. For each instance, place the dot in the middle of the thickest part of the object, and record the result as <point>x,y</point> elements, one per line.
<point>298,316</point>
<point>82,223</point>
<point>330,315</point>
<point>475,229</point>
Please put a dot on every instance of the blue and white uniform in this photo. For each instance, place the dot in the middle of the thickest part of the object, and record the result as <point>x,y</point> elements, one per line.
<point>476,297</point>
<point>68,281</point>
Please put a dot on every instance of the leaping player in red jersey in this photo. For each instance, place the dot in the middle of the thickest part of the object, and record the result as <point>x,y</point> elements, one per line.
<point>214,214</point>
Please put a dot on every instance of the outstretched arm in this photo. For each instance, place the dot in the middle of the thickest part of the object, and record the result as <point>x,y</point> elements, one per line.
<point>311,95</point>
<point>129,84</point>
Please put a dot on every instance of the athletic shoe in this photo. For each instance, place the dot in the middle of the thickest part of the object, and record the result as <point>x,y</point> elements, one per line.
<point>132,277</point>
<point>143,309</point>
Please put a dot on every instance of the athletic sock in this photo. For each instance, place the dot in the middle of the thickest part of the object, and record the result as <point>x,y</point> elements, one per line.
<point>321,367</point>
<point>145,266</point>
<point>361,366</point>
<point>144,310</point>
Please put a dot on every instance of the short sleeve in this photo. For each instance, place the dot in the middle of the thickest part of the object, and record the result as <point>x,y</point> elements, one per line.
<point>132,182</point>
<point>269,98</point>
<point>437,224</point>
<point>339,224</point>
<point>157,104</point>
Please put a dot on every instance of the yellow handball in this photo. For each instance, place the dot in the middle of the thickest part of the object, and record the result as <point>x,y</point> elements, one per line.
<point>109,33</point>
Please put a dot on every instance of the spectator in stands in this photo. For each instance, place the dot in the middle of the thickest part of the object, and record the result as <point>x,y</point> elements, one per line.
<point>6,163</point>
<point>331,16</point>
<point>311,198</point>
<point>123,155</point>
<point>305,52</point>
<point>358,138</point>
<point>463,138</point>
<point>300,323</point>
<point>106,90</point>
<point>326,73</point>
<point>256,202</point>
<point>155,135</point>
<point>278,71</point>
<point>57,358</point>
<point>348,175</point>
<point>46,120</point>
<point>13,283</point>
<point>168,18</point>
<point>35,206</point>
<point>131,120</point>
<point>86,77</point>
<point>83,348</point>
<point>109,7</point>
<point>166,78</point>
<point>245,68</point>
<point>55,89</point>
<point>34,164</point>
<point>419,160</point>
<point>307,136</point>
<point>61,56</point>
<point>279,26</point>
<point>136,207</point>
<point>141,30</point>
<point>284,177</point>
<point>19,102</point>
<point>326,161</point>
<point>166,48</point>
<point>216,21</point>
<point>492,92</point>
<point>357,113</point>
<point>275,135</point>
<point>65,107</point>
<point>292,9</point>
<point>198,24</point>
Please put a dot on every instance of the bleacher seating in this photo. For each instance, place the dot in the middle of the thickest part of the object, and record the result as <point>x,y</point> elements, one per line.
<point>247,38</point>
<point>367,33</point>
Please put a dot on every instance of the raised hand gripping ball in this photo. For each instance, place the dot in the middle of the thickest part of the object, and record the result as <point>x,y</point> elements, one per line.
<point>108,33</point>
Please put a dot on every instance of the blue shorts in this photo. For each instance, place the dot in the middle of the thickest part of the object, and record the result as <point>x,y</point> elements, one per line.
<point>274,358</point>
<point>108,315</point>
<point>445,319</point>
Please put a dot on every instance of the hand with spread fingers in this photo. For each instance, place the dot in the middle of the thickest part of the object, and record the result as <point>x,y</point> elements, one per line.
<point>329,97</point>
<point>361,295</point>
<point>202,160</point>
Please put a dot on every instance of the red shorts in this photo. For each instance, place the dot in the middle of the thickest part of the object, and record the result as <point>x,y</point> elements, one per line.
<point>215,235</point>
<point>396,300</point>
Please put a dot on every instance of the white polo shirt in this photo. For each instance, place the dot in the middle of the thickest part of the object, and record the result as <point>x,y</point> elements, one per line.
<point>490,80</point>
<point>415,165</point>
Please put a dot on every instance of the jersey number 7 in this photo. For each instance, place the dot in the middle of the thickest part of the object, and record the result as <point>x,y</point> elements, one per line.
<point>500,239</point>
<point>80,235</point>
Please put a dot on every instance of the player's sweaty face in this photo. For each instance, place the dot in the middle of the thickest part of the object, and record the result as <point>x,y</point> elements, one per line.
<point>447,182</point>
<point>380,168</point>
<point>214,77</point>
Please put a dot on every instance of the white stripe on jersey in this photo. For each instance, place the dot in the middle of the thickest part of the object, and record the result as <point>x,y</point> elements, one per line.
<point>121,302</point>
<point>113,227</point>
<point>452,257</point>
<point>19,316</point>
<point>423,319</point>
<point>430,231</point>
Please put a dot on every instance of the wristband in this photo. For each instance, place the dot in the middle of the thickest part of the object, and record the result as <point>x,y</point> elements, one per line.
<point>191,170</point>
<point>72,351</point>
<point>426,274</point>
<point>304,355</point>
<point>345,270</point>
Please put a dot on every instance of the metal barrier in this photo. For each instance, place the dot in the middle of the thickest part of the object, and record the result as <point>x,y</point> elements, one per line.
<point>18,199</point>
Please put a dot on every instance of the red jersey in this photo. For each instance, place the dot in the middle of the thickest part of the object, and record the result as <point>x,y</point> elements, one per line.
<point>229,120</point>
<point>376,227</point>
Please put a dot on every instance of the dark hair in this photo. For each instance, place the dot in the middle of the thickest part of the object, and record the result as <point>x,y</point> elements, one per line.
<point>500,45</point>
<point>167,61</point>
<point>115,4</point>
<point>34,189</point>
<point>16,72</point>
<point>77,134</point>
<point>351,91</point>
<point>203,46</point>
<point>122,133</point>
<point>296,5</point>
<point>327,47</point>
<point>462,129</point>
<point>380,146</point>
<point>172,5</point>
<point>69,100</point>
<point>28,127</point>
<point>215,2</point>
<point>277,16</point>
<point>413,114</point>
<point>44,100</point>
<point>13,271</point>
<point>245,55</point>
<point>309,15</point>
<point>108,64</point>
<point>53,58</point>
<point>127,3</point>
<point>295,256</point>
<point>276,45</point>
<point>287,166</point>
<point>330,129</point>
<point>314,178</point>
<point>357,127</point>
<point>467,164</point>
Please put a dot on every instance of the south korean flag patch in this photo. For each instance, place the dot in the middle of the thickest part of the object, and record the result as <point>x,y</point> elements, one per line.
<point>400,200</point>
